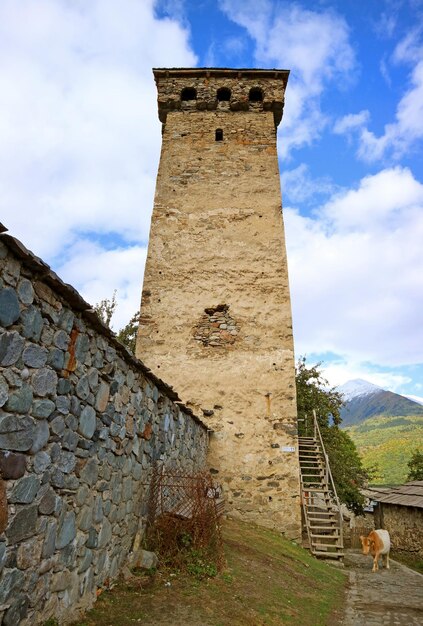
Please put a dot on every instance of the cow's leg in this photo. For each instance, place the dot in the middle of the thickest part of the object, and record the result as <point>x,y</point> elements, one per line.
<point>375,563</point>
<point>387,560</point>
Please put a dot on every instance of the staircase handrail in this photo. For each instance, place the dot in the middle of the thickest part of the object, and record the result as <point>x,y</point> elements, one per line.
<point>329,477</point>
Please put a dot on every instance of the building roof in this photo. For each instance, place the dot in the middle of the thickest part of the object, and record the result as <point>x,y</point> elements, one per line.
<point>410,494</point>
<point>227,72</point>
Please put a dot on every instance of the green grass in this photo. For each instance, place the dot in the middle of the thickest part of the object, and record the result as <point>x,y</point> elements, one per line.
<point>268,581</point>
<point>388,442</point>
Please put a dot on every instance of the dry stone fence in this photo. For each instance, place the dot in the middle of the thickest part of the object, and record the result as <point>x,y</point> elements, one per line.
<point>81,424</point>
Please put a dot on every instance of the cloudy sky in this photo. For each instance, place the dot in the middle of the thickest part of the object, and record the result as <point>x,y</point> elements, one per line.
<point>80,141</point>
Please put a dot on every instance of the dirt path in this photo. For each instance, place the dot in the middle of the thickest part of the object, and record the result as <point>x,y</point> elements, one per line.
<point>391,597</point>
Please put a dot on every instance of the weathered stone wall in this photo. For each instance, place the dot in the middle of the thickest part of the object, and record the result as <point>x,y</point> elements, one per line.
<point>405,526</point>
<point>215,312</point>
<point>81,423</point>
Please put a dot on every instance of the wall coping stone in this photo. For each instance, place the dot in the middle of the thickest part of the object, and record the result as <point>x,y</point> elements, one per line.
<point>76,301</point>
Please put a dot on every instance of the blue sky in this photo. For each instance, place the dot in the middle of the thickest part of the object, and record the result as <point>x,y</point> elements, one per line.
<point>80,143</point>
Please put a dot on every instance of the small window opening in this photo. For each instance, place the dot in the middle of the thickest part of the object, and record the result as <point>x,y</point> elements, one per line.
<point>256,94</point>
<point>189,93</point>
<point>219,134</point>
<point>223,94</point>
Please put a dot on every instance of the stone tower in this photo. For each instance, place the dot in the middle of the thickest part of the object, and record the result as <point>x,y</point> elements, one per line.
<point>215,314</point>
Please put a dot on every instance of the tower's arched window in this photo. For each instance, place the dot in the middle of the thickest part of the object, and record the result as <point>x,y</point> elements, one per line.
<point>255,95</point>
<point>189,93</point>
<point>219,134</point>
<point>223,94</point>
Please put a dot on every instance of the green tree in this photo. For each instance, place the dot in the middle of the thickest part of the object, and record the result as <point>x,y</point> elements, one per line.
<point>314,393</point>
<point>128,334</point>
<point>106,308</point>
<point>415,465</point>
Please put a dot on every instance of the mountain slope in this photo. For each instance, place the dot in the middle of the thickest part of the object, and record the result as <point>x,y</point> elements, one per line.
<point>388,442</point>
<point>385,426</point>
<point>364,400</point>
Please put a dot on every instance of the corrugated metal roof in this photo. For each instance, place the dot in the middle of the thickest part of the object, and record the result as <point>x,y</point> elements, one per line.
<point>410,494</point>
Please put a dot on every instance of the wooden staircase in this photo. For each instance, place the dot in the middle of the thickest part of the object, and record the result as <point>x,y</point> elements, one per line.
<point>321,509</point>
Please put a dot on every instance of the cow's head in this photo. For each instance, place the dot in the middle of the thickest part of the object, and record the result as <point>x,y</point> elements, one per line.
<point>367,544</point>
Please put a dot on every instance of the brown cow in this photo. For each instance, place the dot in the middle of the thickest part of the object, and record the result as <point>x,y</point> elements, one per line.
<point>377,543</point>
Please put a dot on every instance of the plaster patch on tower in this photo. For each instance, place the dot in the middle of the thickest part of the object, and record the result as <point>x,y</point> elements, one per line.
<point>217,328</point>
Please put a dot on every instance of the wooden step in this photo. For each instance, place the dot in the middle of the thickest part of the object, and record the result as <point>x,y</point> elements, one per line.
<point>329,555</point>
<point>335,537</point>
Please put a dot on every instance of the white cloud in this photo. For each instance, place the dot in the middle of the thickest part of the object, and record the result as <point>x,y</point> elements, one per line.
<point>299,186</point>
<point>356,272</point>
<point>312,44</point>
<point>351,122</point>
<point>406,130</point>
<point>98,272</point>
<point>79,132</point>
<point>340,373</point>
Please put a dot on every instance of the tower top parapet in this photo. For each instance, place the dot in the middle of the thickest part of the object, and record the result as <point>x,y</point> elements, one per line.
<point>212,88</point>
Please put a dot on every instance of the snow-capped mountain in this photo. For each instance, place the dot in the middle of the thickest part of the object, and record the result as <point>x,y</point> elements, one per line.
<point>358,387</point>
<point>417,399</point>
<point>364,400</point>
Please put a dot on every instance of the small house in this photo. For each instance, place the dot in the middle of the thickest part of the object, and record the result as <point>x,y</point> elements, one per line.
<point>400,511</point>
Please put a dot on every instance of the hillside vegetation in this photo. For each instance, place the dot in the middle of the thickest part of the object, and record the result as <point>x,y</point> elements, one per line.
<point>268,581</point>
<point>388,442</point>
<point>378,404</point>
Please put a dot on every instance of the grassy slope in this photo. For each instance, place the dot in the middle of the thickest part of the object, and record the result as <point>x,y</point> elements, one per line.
<point>268,581</point>
<point>388,442</point>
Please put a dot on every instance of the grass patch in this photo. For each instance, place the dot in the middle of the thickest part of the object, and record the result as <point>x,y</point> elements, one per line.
<point>268,581</point>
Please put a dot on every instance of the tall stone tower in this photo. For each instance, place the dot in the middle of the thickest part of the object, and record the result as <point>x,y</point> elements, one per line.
<point>215,314</point>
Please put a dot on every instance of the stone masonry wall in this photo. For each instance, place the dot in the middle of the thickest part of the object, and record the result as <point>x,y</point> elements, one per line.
<point>404,524</point>
<point>215,312</point>
<point>81,424</point>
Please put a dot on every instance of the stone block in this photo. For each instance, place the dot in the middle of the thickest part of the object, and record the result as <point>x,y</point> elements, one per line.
<point>23,525</point>
<point>20,401</point>
<point>56,359</point>
<point>25,490</point>
<point>47,501</point>
<point>34,355</point>
<point>41,436</point>
<point>32,323</point>
<point>142,559</point>
<point>88,472</point>
<point>4,509</point>
<point>12,466</point>
<point>41,462</point>
<point>9,306</point>
<point>25,291</point>
<point>12,581</point>
<point>66,462</point>
<point>87,422</point>
<point>11,346</point>
<point>4,391</point>
<point>102,397</point>
<point>16,433</point>
<point>43,408</point>
<point>29,554</point>
<point>66,531</point>
<point>49,539</point>
<point>44,382</point>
